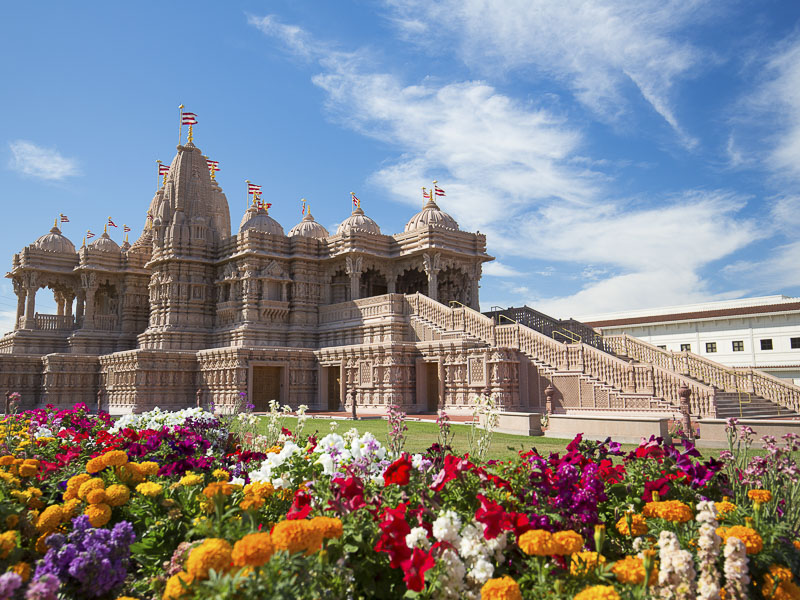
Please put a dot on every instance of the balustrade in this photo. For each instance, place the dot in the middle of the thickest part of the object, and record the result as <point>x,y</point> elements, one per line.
<point>54,322</point>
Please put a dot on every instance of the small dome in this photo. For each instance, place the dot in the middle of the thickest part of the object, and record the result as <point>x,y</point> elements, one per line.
<point>259,219</point>
<point>360,222</point>
<point>431,214</point>
<point>308,227</point>
<point>104,244</point>
<point>54,242</point>
<point>125,246</point>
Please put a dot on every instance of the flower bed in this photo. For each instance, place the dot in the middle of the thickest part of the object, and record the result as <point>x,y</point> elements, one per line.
<point>188,505</point>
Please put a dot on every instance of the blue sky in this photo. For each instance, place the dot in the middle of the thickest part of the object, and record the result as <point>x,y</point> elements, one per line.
<point>618,154</point>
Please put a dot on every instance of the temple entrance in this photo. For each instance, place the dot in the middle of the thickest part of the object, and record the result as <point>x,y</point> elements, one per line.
<point>266,387</point>
<point>373,283</point>
<point>432,386</point>
<point>412,281</point>
<point>334,388</point>
<point>452,286</point>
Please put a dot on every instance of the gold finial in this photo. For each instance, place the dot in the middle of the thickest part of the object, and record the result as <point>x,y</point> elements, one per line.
<point>55,223</point>
<point>191,137</point>
<point>125,239</point>
<point>435,181</point>
<point>105,228</point>
<point>181,106</point>
<point>84,242</point>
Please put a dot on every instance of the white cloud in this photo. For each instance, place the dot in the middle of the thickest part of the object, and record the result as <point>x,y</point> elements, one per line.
<point>597,47</point>
<point>36,161</point>
<point>498,269</point>
<point>7,320</point>
<point>295,38</point>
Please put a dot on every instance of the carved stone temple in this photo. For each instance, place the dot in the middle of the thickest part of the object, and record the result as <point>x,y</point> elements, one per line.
<point>191,312</point>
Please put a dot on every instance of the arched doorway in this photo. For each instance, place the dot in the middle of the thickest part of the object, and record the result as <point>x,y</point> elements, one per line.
<point>412,281</point>
<point>373,283</point>
<point>453,285</point>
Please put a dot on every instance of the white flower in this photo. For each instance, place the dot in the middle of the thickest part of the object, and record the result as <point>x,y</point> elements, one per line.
<point>238,481</point>
<point>418,537</point>
<point>43,432</point>
<point>481,571</point>
<point>446,527</point>
<point>326,460</point>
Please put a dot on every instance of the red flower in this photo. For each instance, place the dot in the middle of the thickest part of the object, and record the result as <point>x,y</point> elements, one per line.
<point>398,472</point>
<point>301,507</point>
<point>493,516</point>
<point>350,493</point>
<point>393,539</point>
<point>415,568</point>
<point>453,465</point>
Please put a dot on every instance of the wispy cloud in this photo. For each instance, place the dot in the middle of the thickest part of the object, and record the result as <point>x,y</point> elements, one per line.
<point>598,48</point>
<point>498,269</point>
<point>295,38</point>
<point>37,161</point>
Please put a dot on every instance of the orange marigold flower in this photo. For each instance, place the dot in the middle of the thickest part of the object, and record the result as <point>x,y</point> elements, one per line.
<point>70,508</point>
<point>296,536</point>
<point>638,524</point>
<point>177,586</point>
<point>630,570</point>
<point>598,592</point>
<point>759,495</point>
<point>115,458</point>
<point>567,542</point>
<point>74,483</point>
<point>752,540</point>
<point>584,562</point>
<point>213,553</point>
<point>130,473</point>
<point>537,542</point>
<point>99,514</point>
<point>89,485</point>
<point>8,541</point>
<point>40,546</point>
<point>259,488</point>
<point>70,495</point>
<point>7,460</point>
<point>118,494</point>
<point>723,508</point>
<point>149,489</point>
<point>251,502</point>
<point>27,471</point>
<point>253,550</point>
<point>96,497</point>
<point>220,474</point>
<point>328,527</point>
<point>22,569</point>
<point>501,588</point>
<point>50,519</point>
<point>218,487</point>
<point>12,521</point>
<point>148,468</point>
<point>95,465</point>
<point>796,544</point>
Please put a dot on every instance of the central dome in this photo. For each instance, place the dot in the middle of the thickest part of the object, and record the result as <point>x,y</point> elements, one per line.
<point>54,242</point>
<point>431,214</point>
<point>308,227</point>
<point>258,219</point>
<point>104,244</point>
<point>358,222</point>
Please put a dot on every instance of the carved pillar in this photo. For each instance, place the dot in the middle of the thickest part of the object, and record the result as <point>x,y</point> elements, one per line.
<point>21,292</point>
<point>353,269</point>
<point>79,306</point>
<point>474,296</point>
<point>391,282</point>
<point>89,281</point>
<point>69,297</point>
<point>30,307</point>
<point>431,264</point>
<point>59,298</point>
<point>285,291</point>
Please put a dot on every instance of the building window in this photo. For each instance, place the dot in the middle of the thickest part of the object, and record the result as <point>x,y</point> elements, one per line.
<point>663,347</point>
<point>766,344</point>
<point>686,347</point>
<point>795,343</point>
<point>738,346</point>
<point>711,346</point>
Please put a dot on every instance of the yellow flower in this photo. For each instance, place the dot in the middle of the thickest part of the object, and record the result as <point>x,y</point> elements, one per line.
<point>95,465</point>
<point>114,458</point>
<point>191,479</point>
<point>213,553</point>
<point>258,488</point>
<point>296,536</point>
<point>50,519</point>
<point>537,542</point>
<point>630,570</point>
<point>501,588</point>
<point>22,569</point>
<point>778,584</point>
<point>638,524</point>
<point>597,592</point>
<point>74,483</point>
<point>567,542</point>
<point>12,521</point>
<point>27,470</point>
<point>40,546</point>
<point>8,541</point>
<point>149,468</point>
<point>218,487</point>
<point>177,586</point>
<point>584,562</point>
<point>669,510</point>
<point>6,460</point>
<point>130,473</point>
<point>759,495</point>
<point>220,475</point>
<point>89,485</point>
<point>253,550</point>
<point>723,508</point>
<point>99,514</point>
<point>96,497</point>
<point>752,540</point>
<point>328,527</point>
<point>251,502</point>
<point>118,494</point>
<point>70,508</point>
<point>149,489</point>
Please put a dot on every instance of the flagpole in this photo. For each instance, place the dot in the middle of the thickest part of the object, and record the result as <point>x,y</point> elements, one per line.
<point>158,176</point>
<point>180,123</point>
<point>423,196</point>
<point>247,194</point>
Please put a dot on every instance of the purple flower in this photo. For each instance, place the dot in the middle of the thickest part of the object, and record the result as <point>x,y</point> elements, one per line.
<point>9,583</point>
<point>43,588</point>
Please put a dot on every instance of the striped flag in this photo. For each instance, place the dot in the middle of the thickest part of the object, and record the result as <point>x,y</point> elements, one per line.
<point>163,169</point>
<point>213,164</point>
<point>303,202</point>
<point>149,216</point>
<point>188,118</point>
<point>64,218</point>
<point>253,188</point>
<point>111,223</point>
<point>426,194</point>
<point>89,235</point>
<point>125,228</point>
<point>439,191</point>
<point>356,201</point>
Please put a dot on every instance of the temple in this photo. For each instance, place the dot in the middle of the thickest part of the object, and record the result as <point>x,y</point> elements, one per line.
<point>191,313</point>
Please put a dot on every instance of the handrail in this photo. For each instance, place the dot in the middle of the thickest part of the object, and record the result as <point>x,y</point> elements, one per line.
<point>778,391</point>
<point>509,319</point>
<point>568,335</point>
<point>458,303</point>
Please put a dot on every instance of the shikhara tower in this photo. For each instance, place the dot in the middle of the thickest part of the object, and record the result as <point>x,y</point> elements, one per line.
<point>191,312</point>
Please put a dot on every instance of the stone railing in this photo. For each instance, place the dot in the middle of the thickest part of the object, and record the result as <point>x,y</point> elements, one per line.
<point>577,358</point>
<point>54,322</point>
<point>376,306</point>
<point>105,322</point>
<point>747,379</point>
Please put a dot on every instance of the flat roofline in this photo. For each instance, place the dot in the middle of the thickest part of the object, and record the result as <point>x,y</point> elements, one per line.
<point>696,315</point>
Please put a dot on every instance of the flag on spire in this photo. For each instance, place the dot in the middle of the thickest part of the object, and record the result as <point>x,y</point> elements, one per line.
<point>439,191</point>
<point>89,234</point>
<point>303,202</point>
<point>162,169</point>
<point>426,194</point>
<point>111,223</point>
<point>125,228</point>
<point>64,218</point>
<point>188,118</point>
<point>213,167</point>
<point>253,189</point>
<point>356,201</point>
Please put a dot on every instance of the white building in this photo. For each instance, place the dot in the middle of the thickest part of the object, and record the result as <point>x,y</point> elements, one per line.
<point>757,332</point>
